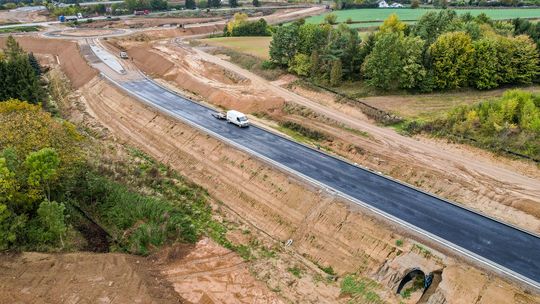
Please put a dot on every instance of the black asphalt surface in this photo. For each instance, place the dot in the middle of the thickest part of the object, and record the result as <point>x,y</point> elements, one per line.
<point>506,246</point>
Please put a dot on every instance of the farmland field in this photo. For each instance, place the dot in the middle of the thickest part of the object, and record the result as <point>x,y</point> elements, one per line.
<point>256,46</point>
<point>373,16</point>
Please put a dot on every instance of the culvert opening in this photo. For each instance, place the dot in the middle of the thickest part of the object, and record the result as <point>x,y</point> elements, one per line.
<point>415,280</point>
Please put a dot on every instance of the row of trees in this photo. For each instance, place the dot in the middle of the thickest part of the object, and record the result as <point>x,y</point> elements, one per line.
<point>19,74</point>
<point>241,26</point>
<point>442,51</point>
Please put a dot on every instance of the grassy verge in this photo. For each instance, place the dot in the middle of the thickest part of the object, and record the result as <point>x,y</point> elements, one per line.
<point>255,46</point>
<point>254,64</point>
<point>20,29</point>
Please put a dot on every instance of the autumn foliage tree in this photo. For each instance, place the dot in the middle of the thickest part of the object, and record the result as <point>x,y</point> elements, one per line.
<point>30,171</point>
<point>451,58</point>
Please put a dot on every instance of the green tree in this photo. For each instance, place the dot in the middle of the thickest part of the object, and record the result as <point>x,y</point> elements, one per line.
<point>451,59</point>
<point>8,182</point>
<point>313,37</point>
<point>314,63</point>
<point>343,44</point>
<point>525,60</point>
<point>232,3</point>
<point>284,44</point>
<point>433,24</point>
<point>13,50</point>
<point>35,64</point>
<point>301,64</point>
<point>19,80</point>
<point>395,62</point>
<point>42,169</point>
<point>52,223</point>
<point>256,3</point>
<point>485,65</point>
<point>190,4</point>
<point>214,3</point>
<point>517,59</point>
<point>415,4</point>
<point>336,73</point>
<point>392,24</point>
<point>330,19</point>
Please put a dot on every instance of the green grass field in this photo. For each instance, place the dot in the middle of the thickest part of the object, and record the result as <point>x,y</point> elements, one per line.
<point>256,46</point>
<point>373,16</point>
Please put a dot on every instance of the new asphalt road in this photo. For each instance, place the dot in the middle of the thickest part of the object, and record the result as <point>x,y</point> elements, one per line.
<point>510,250</point>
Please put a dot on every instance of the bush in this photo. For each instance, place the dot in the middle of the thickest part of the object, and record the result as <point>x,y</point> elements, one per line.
<point>336,73</point>
<point>248,28</point>
<point>140,223</point>
<point>330,18</point>
<point>304,131</point>
<point>301,65</point>
<point>511,122</point>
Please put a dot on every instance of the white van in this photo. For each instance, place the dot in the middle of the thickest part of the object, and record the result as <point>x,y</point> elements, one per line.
<point>237,118</point>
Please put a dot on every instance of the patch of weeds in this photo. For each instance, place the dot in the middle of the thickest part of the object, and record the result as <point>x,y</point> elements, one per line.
<point>295,271</point>
<point>328,270</point>
<point>304,131</point>
<point>244,251</point>
<point>399,243</point>
<point>361,289</point>
<point>423,250</point>
<point>253,64</point>
<point>261,115</point>
<point>267,253</point>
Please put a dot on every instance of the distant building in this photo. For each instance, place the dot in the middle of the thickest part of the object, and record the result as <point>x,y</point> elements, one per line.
<point>383,4</point>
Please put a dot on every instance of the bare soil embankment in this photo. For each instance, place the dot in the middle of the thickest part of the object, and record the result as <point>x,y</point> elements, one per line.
<point>82,278</point>
<point>323,228</point>
<point>67,52</point>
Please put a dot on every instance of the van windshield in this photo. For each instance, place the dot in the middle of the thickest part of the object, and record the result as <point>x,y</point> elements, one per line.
<point>242,118</point>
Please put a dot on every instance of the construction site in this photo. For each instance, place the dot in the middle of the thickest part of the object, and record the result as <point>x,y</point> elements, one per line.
<point>307,243</point>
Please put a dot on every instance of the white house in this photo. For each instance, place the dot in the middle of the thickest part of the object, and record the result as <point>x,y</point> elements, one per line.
<point>383,4</point>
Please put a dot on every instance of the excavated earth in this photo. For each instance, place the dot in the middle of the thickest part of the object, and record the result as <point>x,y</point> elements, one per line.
<point>323,228</point>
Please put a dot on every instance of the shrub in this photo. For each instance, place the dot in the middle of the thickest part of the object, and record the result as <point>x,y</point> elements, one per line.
<point>336,73</point>
<point>304,131</point>
<point>248,28</point>
<point>511,122</point>
<point>330,18</point>
<point>301,65</point>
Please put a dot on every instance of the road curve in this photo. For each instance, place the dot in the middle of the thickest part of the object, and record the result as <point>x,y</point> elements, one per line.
<point>503,248</point>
